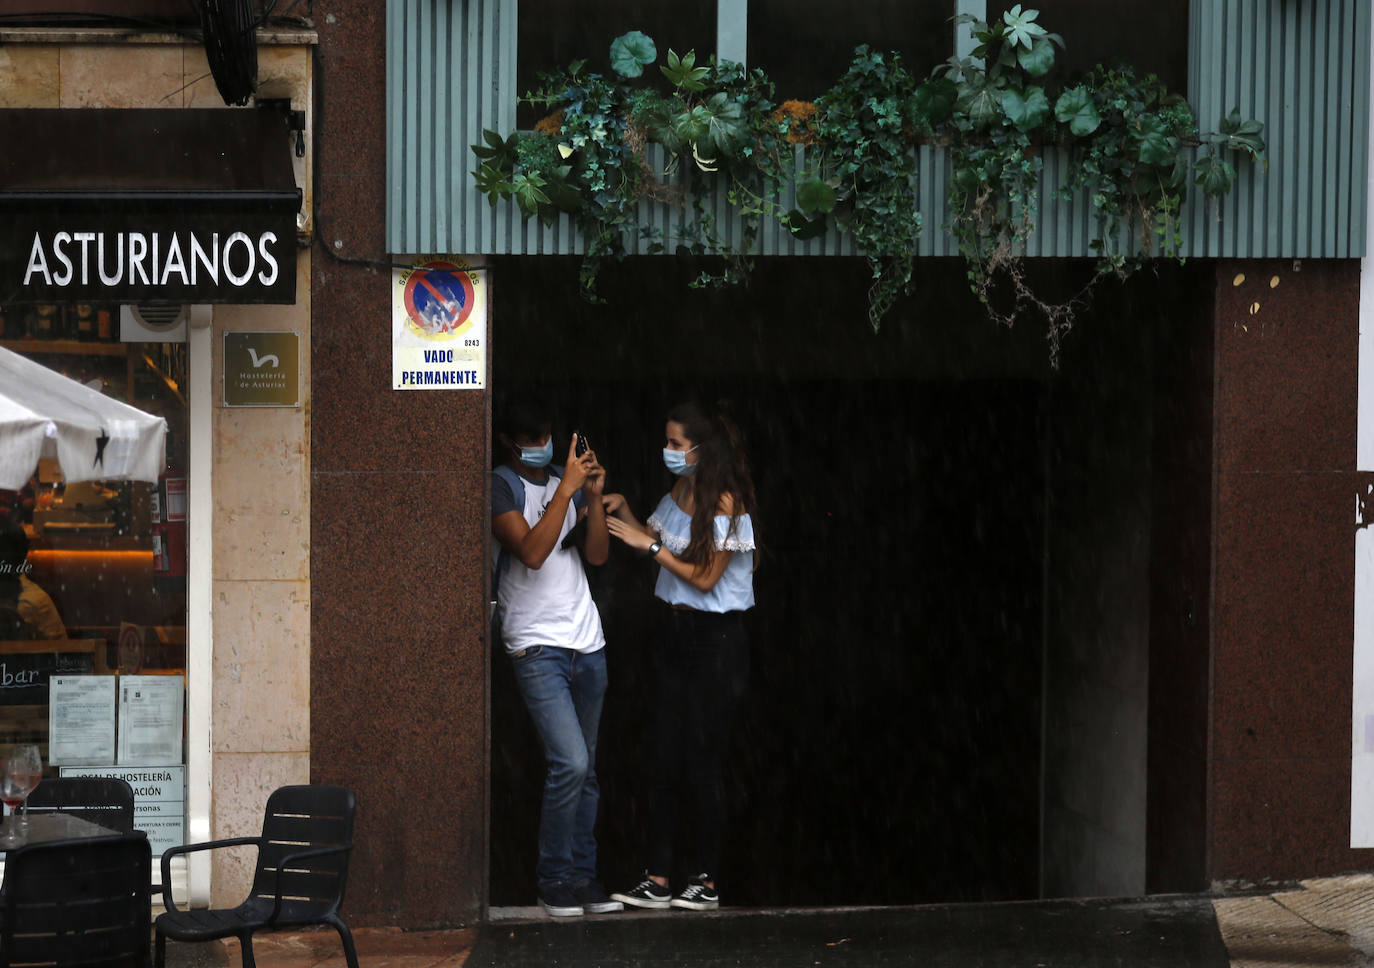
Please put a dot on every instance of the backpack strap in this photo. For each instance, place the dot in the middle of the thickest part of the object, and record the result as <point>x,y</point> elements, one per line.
<point>517,487</point>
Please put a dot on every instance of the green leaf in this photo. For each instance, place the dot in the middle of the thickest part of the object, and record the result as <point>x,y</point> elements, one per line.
<point>1026,109</point>
<point>727,131</point>
<point>561,193</point>
<point>803,227</point>
<point>491,181</point>
<point>934,99</point>
<point>1243,135</point>
<point>982,107</point>
<point>631,53</point>
<point>528,194</point>
<point>1021,29</point>
<point>500,152</point>
<point>683,73</point>
<point>814,195</point>
<point>1038,59</point>
<point>1075,108</point>
<point>1214,175</point>
<point>1156,146</point>
<point>691,126</point>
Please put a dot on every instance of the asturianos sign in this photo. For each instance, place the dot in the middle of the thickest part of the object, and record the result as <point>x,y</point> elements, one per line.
<point>160,205</point>
<point>211,260</point>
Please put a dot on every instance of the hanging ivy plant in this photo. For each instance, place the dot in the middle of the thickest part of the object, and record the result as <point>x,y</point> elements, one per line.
<point>1130,144</point>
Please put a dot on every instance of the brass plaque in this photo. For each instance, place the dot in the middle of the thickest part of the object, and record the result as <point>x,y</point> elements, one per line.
<point>262,370</point>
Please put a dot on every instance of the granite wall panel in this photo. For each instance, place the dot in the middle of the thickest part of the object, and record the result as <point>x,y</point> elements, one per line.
<point>1285,412</point>
<point>399,539</point>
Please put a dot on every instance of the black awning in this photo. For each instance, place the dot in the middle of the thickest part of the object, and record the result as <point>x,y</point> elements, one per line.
<point>147,205</point>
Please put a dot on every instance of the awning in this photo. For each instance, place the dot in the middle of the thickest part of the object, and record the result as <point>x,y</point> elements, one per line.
<point>93,437</point>
<point>147,206</point>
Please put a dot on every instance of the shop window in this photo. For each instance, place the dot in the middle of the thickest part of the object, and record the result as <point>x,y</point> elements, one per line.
<point>1149,35</point>
<point>93,580</point>
<point>553,33</point>
<point>806,45</point>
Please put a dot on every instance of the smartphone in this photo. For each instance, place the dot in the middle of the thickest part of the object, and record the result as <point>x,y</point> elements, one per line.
<point>582,445</point>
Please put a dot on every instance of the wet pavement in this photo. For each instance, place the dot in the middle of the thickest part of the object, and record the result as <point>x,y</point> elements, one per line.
<point>1155,933</point>
<point>1327,922</point>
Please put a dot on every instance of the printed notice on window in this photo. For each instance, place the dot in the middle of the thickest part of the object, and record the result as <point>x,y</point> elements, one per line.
<point>150,715</point>
<point>81,720</point>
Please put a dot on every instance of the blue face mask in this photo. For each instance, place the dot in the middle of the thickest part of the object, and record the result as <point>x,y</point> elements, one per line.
<point>676,461</point>
<point>537,456</point>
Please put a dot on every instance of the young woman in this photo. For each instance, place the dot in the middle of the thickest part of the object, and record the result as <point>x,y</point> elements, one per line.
<point>701,536</point>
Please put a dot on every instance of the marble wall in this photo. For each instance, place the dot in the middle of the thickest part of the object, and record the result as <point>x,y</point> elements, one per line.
<point>399,537</point>
<point>1282,641</point>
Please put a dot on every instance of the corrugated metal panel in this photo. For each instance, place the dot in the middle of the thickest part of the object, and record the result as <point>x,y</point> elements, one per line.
<point>1300,66</point>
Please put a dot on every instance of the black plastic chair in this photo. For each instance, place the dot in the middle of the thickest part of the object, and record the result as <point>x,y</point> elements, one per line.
<point>106,800</point>
<point>81,902</point>
<point>302,870</point>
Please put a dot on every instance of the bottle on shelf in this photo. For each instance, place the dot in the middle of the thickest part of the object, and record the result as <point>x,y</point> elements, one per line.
<point>83,323</point>
<point>104,325</point>
<point>44,322</point>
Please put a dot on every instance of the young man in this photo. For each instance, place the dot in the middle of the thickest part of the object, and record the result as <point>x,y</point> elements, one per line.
<point>552,632</point>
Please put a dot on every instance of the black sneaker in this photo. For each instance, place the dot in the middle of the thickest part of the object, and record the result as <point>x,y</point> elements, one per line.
<point>696,896</point>
<point>645,894</point>
<point>592,896</point>
<point>560,901</point>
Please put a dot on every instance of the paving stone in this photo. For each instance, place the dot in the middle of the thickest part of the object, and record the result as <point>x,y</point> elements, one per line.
<point>377,948</point>
<point>1259,932</point>
<point>1343,906</point>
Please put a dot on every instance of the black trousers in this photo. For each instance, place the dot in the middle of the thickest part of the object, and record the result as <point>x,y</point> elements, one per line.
<point>701,670</point>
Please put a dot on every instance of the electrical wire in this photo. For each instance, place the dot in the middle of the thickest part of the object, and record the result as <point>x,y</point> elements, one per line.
<point>231,47</point>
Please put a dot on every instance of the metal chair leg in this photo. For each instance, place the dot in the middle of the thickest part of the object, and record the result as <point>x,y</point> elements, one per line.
<point>246,943</point>
<point>346,936</point>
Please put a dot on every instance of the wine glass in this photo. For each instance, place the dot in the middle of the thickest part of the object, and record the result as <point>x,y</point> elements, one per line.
<point>12,793</point>
<point>23,770</point>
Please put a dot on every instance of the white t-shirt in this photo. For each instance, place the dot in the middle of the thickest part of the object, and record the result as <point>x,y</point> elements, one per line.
<point>551,605</point>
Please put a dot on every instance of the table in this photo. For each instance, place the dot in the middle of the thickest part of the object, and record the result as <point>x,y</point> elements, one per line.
<point>44,827</point>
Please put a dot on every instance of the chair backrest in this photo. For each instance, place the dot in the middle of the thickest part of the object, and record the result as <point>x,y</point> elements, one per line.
<point>77,902</point>
<point>301,818</point>
<point>106,800</point>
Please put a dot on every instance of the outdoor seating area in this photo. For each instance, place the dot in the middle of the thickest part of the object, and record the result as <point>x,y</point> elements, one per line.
<point>77,891</point>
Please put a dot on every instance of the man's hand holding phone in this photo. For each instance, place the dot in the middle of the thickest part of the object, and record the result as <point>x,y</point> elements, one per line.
<point>596,474</point>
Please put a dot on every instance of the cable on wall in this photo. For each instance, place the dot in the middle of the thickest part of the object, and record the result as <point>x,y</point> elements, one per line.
<point>231,47</point>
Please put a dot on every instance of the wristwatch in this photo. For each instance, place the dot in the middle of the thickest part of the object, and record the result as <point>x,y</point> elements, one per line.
<point>654,549</point>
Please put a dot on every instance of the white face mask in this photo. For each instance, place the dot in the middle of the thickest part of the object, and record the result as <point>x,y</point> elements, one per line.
<point>676,461</point>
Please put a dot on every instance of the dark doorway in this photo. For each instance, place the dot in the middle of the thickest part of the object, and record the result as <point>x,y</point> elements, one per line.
<point>890,750</point>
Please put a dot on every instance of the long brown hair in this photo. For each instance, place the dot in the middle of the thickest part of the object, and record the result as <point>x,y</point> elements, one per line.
<point>722,468</point>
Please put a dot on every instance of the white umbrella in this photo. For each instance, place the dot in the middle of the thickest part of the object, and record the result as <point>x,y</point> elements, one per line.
<point>93,437</point>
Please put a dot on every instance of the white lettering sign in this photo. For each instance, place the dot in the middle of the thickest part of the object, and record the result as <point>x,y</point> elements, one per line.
<point>155,259</point>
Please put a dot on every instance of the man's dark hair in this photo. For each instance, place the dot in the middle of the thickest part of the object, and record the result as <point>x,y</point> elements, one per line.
<point>526,416</point>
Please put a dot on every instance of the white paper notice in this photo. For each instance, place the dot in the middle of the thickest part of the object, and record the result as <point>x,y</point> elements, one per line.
<point>81,720</point>
<point>159,800</point>
<point>150,717</point>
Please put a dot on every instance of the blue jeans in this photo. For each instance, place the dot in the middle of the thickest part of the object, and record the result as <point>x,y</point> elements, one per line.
<point>563,691</point>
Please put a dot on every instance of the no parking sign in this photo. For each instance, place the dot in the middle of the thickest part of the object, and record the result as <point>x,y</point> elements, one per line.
<point>439,326</point>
